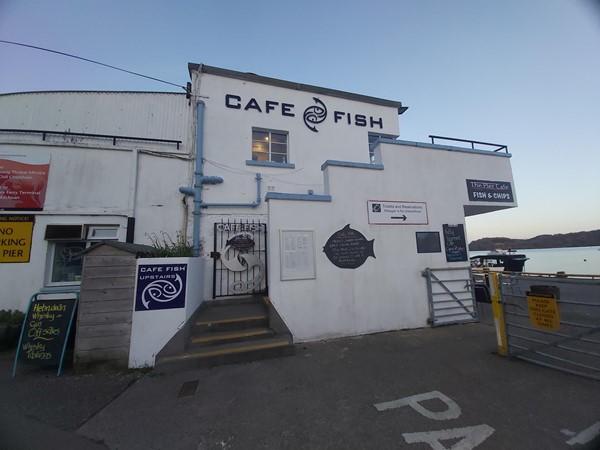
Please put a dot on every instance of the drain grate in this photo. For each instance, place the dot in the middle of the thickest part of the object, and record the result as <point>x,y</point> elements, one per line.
<point>188,389</point>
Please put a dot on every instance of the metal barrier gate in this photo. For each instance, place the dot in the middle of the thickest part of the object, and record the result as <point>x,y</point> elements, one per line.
<point>553,321</point>
<point>240,258</point>
<point>451,296</point>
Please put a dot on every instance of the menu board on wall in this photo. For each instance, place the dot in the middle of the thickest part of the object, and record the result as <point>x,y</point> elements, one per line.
<point>455,243</point>
<point>348,248</point>
<point>23,180</point>
<point>46,331</point>
<point>297,249</point>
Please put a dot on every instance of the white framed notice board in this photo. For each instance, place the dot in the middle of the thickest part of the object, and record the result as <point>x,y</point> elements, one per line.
<point>297,251</point>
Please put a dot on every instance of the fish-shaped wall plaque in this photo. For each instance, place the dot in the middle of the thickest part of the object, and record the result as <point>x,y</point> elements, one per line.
<point>348,248</point>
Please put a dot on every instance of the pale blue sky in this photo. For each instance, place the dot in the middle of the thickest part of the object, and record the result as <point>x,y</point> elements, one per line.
<point>524,73</point>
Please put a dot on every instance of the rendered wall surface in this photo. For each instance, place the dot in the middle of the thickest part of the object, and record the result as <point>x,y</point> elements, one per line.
<point>152,329</point>
<point>227,142</point>
<point>94,180</point>
<point>387,292</point>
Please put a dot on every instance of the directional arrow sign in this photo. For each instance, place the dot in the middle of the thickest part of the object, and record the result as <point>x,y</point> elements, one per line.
<point>390,212</point>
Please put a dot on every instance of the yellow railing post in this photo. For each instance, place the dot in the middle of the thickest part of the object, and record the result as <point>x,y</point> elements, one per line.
<point>497,312</point>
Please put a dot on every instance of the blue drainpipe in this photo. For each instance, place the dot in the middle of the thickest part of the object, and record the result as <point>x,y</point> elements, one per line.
<point>200,179</point>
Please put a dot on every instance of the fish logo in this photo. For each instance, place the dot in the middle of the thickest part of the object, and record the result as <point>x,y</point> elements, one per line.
<point>348,248</point>
<point>315,114</point>
<point>162,291</point>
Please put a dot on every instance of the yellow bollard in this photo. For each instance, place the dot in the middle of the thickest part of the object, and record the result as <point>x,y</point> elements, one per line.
<point>497,312</point>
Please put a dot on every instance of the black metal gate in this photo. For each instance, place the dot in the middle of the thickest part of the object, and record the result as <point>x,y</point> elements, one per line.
<point>240,258</point>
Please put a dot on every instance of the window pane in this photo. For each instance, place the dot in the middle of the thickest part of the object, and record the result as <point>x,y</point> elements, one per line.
<point>260,147</point>
<point>260,156</point>
<point>100,232</point>
<point>260,136</point>
<point>279,138</point>
<point>68,261</point>
<point>278,157</point>
<point>278,148</point>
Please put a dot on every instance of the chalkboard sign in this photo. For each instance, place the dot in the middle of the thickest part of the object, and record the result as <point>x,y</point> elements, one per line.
<point>455,243</point>
<point>348,248</point>
<point>46,331</point>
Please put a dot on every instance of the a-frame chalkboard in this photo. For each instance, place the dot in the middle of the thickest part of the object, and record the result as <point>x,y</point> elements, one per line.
<point>46,329</point>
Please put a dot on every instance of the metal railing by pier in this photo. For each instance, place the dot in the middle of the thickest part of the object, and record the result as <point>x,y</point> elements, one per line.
<point>494,147</point>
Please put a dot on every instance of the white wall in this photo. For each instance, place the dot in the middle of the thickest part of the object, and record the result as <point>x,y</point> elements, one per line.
<point>228,144</point>
<point>95,181</point>
<point>386,292</point>
<point>151,330</point>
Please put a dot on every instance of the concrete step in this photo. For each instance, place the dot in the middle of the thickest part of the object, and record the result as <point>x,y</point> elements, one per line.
<point>231,317</point>
<point>223,337</point>
<point>229,353</point>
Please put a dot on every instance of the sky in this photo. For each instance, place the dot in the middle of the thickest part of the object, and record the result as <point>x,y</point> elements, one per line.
<point>525,74</point>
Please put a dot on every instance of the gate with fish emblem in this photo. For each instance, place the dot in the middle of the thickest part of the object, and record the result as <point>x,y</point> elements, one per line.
<point>240,258</point>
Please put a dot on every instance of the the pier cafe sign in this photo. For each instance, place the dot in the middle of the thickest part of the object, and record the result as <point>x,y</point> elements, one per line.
<point>312,115</point>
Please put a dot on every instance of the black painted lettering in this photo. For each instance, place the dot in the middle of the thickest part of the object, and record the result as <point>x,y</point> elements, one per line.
<point>270,106</point>
<point>360,120</point>
<point>286,109</point>
<point>252,104</point>
<point>378,122</point>
<point>233,101</point>
<point>337,115</point>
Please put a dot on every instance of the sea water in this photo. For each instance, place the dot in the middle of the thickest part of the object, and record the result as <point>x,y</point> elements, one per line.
<point>571,260</point>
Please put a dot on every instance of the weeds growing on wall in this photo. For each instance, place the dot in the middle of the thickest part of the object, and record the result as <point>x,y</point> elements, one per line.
<point>166,247</point>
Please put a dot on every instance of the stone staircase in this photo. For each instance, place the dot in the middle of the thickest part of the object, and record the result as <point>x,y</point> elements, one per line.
<point>229,331</point>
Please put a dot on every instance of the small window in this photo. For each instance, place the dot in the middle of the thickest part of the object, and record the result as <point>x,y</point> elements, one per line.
<point>67,261</point>
<point>270,146</point>
<point>102,232</point>
<point>66,247</point>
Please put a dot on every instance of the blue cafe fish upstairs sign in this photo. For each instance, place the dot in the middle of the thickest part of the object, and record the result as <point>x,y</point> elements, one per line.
<point>160,286</point>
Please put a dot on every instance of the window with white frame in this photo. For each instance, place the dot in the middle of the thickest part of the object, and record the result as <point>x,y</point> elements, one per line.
<point>66,244</point>
<point>269,146</point>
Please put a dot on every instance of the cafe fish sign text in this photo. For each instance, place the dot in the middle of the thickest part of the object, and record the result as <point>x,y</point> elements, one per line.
<point>313,114</point>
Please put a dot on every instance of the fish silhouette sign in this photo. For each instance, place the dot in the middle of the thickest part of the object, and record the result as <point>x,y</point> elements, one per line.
<point>348,248</point>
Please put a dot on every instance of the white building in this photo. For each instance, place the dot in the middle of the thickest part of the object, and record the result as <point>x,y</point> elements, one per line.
<point>299,191</point>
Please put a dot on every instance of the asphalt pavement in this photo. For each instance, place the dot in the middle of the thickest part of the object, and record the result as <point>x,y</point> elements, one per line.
<point>415,389</point>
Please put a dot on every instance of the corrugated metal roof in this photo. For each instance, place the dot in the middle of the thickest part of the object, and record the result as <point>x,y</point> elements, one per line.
<point>144,114</point>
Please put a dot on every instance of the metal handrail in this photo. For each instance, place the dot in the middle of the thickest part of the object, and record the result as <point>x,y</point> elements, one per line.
<point>470,141</point>
<point>103,136</point>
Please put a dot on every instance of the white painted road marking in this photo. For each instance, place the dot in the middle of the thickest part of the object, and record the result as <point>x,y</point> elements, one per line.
<point>471,437</point>
<point>586,435</point>
<point>452,412</point>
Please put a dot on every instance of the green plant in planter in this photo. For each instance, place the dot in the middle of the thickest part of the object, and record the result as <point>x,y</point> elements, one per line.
<point>166,247</point>
<point>10,328</point>
<point>11,317</point>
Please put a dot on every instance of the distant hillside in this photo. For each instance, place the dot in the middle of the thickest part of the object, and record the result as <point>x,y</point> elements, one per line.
<point>579,239</point>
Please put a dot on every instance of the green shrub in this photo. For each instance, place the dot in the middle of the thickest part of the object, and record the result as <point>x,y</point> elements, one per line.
<point>11,317</point>
<point>166,247</point>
